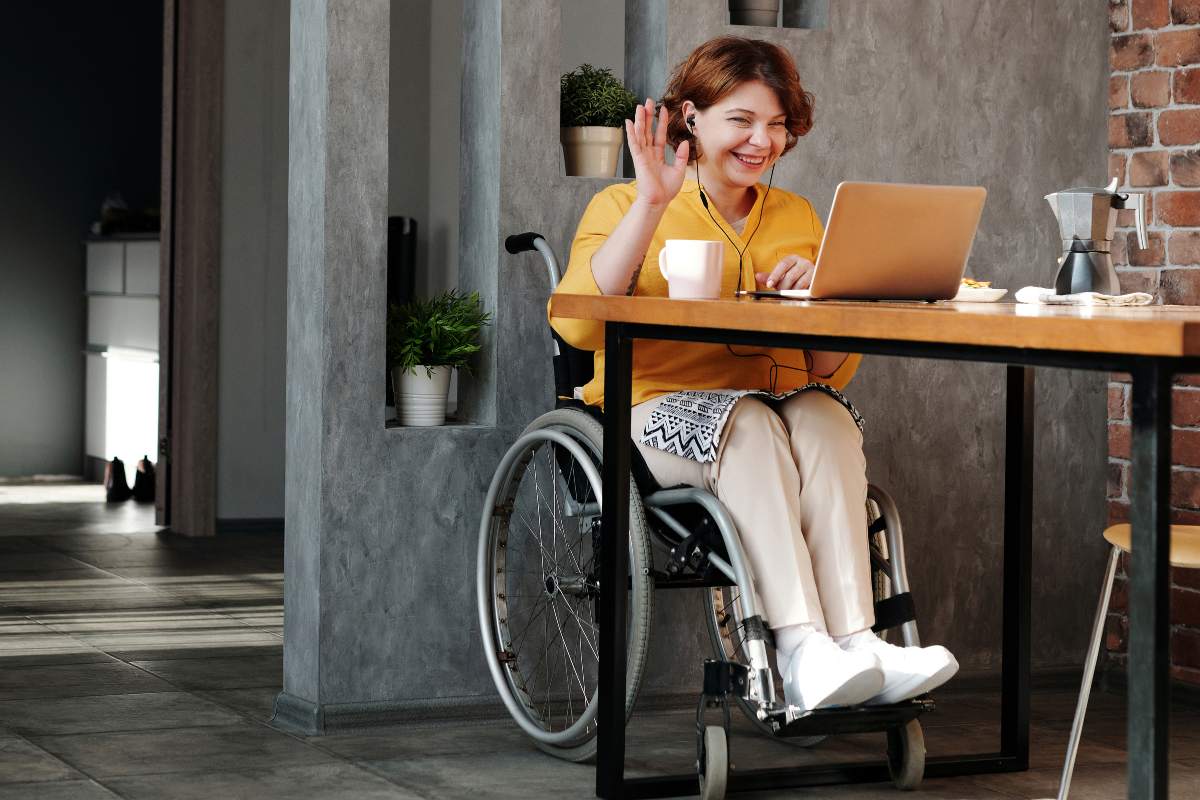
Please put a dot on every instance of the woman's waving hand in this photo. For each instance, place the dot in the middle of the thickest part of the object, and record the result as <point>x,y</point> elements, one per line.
<point>657,181</point>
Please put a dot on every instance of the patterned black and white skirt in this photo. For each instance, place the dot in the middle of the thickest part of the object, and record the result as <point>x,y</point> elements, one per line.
<point>689,423</point>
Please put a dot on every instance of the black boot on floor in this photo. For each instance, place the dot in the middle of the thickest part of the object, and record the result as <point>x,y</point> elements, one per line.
<point>116,489</point>
<point>143,481</point>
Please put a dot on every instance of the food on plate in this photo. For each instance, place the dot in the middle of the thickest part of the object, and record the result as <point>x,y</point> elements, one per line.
<point>974,284</point>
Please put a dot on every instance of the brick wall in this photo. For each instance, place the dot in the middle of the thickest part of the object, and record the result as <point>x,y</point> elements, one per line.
<point>1154,147</point>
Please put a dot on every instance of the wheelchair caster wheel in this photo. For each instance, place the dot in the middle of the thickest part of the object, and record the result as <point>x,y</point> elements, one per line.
<point>713,764</point>
<point>906,755</point>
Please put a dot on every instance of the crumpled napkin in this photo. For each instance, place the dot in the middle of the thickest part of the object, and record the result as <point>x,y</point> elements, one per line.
<point>1047,297</point>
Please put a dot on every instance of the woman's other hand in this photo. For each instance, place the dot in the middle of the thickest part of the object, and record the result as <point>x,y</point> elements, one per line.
<point>792,272</point>
<point>657,181</point>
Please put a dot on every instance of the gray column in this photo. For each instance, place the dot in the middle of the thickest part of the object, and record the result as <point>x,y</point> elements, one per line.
<point>337,214</point>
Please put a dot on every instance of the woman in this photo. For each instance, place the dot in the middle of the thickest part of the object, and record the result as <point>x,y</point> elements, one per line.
<point>765,432</point>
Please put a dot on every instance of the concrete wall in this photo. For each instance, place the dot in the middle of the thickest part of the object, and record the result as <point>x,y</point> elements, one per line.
<point>253,261</point>
<point>382,523</point>
<point>592,33</point>
<point>82,118</point>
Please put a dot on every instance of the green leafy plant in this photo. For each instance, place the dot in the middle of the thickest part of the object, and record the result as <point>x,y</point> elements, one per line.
<point>441,331</point>
<point>593,96</point>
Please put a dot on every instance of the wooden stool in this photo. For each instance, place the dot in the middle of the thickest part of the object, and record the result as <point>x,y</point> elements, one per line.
<point>1185,552</point>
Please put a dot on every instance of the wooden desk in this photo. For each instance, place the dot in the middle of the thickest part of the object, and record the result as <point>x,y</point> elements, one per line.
<point>1150,344</point>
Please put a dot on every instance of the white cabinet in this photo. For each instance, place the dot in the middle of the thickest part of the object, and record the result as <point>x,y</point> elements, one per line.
<point>121,414</point>
<point>122,321</point>
<point>106,267</point>
<point>141,268</point>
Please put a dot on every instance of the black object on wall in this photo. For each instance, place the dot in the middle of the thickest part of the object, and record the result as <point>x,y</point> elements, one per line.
<point>401,271</point>
<point>401,259</point>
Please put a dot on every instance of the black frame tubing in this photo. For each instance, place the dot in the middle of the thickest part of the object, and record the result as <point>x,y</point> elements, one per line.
<point>1149,597</point>
<point>1149,594</point>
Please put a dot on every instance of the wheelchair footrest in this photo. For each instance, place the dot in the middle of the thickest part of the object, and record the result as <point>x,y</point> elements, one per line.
<point>859,719</point>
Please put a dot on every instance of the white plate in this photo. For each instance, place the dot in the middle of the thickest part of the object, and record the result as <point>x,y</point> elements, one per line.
<point>969,295</point>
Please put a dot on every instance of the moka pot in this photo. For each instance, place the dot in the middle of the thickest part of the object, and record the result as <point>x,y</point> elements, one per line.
<point>1086,220</point>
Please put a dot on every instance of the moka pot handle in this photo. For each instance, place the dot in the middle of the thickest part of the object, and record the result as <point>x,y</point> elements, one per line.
<point>1136,203</point>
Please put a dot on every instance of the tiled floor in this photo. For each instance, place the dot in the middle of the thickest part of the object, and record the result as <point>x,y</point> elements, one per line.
<point>138,665</point>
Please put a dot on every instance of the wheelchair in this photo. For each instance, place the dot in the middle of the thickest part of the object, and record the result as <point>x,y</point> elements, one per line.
<point>537,592</point>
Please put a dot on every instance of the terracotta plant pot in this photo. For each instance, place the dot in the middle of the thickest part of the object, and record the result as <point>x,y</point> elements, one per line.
<point>764,13</point>
<point>592,151</point>
<point>421,397</point>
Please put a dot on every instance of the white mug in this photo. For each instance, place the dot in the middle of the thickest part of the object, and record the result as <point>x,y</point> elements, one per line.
<point>692,267</point>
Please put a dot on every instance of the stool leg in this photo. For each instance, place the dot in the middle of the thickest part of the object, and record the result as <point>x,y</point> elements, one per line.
<point>1089,671</point>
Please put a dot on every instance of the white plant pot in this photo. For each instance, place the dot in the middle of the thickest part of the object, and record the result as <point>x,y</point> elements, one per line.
<point>592,151</point>
<point>420,396</point>
<point>763,13</point>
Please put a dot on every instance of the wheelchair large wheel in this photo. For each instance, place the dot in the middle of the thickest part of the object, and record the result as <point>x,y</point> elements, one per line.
<point>537,584</point>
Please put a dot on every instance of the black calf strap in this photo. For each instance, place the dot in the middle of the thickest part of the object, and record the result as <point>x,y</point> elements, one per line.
<point>892,611</point>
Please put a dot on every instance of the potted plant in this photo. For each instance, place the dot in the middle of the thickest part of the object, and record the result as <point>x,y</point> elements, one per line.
<point>764,13</point>
<point>426,339</point>
<point>593,107</point>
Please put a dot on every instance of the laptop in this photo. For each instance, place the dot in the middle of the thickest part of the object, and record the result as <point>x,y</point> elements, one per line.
<point>895,241</point>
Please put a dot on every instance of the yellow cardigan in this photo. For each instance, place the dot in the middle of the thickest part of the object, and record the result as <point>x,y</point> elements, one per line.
<point>789,226</point>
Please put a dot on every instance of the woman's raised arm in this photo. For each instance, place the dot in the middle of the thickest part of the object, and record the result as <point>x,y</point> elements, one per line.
<point>618,262</point>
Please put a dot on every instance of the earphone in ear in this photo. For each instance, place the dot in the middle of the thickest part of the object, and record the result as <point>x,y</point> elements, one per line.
<point>691,122</point>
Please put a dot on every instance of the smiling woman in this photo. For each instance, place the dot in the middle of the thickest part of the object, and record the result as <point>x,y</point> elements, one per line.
<point>770,435</point>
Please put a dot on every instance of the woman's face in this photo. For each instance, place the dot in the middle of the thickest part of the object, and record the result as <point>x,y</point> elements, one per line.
<point>741,135</point>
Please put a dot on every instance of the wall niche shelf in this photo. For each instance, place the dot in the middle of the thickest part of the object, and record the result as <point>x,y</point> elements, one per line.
<point>795,14</point>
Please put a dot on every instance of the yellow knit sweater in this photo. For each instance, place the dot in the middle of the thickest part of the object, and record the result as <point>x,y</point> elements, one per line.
<point>789,226</point>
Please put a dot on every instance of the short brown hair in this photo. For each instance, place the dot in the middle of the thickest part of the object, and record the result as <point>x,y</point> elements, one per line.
<point>717,67</point>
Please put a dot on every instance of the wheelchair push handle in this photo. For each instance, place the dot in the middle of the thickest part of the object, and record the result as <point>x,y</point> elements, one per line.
<point>525,242</point>
<point>521,242</point>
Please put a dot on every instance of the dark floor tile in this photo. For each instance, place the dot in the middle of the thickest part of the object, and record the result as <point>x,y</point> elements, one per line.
<point>943,789</point>
<point>117,712</point>
<point>11,542</point>
<point>60,566</point>
<point>1093,782</point>
<point>426,739</point>
<point>77,680</point>
<point>516,775</point>
<point>246,747</point>
<point>23,762</point>
<point>47,658</point>
<point>58,790</point>
<point>256,704</point>
<point>334,781</point>
<point>1048,748</point>
<point>220,673</point>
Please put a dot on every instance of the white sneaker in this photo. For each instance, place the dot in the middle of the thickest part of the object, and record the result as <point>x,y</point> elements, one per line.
<point>907,671</point>
<point>820,674</point>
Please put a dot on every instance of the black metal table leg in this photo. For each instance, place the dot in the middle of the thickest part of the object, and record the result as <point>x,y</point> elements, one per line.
<point>614,563</point>
<point>1018,563</point>
<point>1149,591</point>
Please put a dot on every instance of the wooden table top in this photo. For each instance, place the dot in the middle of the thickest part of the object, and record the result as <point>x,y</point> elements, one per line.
<point>1147,331</point>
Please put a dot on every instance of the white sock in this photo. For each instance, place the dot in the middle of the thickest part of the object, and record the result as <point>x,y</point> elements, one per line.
<point>788,639</point>
<point>851,640</point>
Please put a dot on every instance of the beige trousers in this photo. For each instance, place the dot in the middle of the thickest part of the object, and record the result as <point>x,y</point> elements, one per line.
<point>794,479</point>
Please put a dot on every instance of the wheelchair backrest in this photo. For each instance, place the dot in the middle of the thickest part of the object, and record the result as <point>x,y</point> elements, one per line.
<point>572,367</point>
